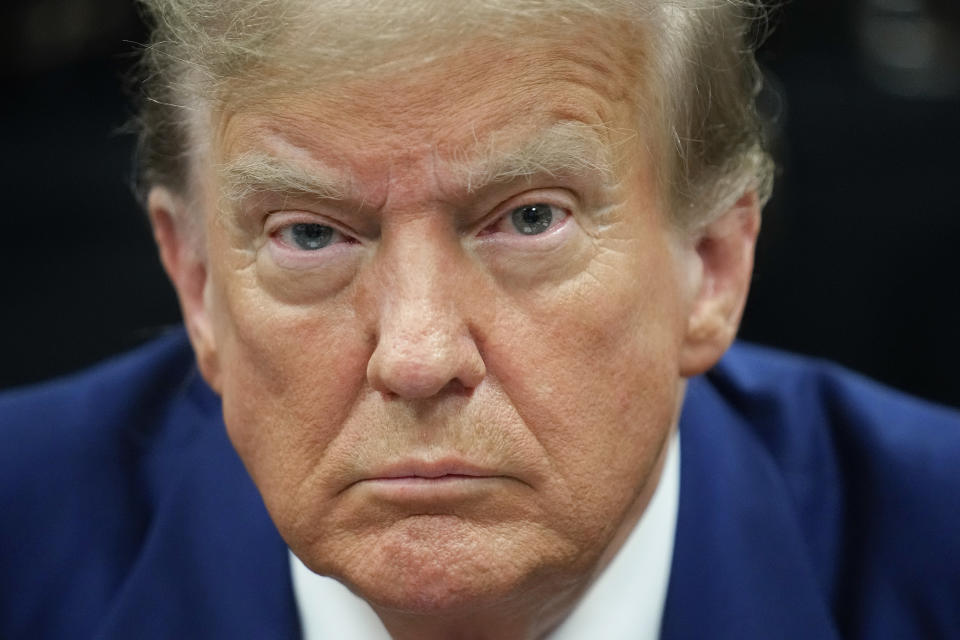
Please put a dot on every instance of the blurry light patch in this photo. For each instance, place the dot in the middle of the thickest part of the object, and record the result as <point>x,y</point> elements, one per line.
<point>907,51</point>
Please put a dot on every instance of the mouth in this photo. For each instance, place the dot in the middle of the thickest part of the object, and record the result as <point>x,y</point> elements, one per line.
<point>417,480</point>
<point>432,470</point>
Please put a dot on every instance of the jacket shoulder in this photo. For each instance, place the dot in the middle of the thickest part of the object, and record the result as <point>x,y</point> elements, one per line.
<point>800,403</point>
<point>78,462</point>
<point>129,383</point>
<point>875,481</point>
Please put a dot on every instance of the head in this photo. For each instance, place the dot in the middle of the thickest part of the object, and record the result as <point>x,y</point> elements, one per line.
<point>449,266</point>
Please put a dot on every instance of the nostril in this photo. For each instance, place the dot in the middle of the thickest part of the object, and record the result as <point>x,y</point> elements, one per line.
<point>457,388</point>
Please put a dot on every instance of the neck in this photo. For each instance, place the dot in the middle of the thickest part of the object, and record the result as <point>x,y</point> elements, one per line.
<point>529,621</point>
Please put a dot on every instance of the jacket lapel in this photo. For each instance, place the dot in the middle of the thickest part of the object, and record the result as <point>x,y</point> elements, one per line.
<point>212,564</point>
<point>741,569</point>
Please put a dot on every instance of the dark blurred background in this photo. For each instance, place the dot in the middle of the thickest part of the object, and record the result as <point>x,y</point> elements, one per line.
<point>858,260</point>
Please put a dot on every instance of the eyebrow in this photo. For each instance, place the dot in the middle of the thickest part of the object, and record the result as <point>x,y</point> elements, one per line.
<point>565,148</point>
<point>257,172</point>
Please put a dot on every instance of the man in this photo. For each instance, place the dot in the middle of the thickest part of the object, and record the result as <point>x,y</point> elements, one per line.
<point>452,272</point>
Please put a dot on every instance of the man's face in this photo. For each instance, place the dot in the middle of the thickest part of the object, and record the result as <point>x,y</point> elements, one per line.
<point>447,339</point>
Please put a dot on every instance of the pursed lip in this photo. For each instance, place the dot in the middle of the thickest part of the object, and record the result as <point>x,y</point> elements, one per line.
<point>427,472</point>
<point>431,470</point>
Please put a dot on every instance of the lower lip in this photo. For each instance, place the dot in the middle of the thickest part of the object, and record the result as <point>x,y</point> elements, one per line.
<point>441,488</point>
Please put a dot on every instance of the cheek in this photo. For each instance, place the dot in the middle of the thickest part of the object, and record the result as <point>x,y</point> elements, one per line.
<point>290,377</point>
<point>592,370</point>
<point>619,320</point>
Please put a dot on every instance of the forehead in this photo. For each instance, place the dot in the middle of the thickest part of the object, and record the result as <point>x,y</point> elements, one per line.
<point>478,97</point>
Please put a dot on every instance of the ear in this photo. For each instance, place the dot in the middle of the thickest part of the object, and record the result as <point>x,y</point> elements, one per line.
<point>184,260</point>
<point>722,256</point>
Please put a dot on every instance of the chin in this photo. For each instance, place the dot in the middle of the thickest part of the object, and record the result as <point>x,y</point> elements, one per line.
<point>441,565</point>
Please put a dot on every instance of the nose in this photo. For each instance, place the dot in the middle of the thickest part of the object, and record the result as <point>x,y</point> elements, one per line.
<point>425,342</point>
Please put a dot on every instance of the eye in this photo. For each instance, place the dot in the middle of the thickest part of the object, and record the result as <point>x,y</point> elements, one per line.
<point>309,236</point>
<point>532,219</point>
<point>529,220</point>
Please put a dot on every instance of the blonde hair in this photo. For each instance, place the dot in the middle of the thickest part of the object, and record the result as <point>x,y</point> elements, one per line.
<point>700,80</point>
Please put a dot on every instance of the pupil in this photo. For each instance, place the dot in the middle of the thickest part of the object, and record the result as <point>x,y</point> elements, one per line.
<point>311,236</point>
<point>533,219</point>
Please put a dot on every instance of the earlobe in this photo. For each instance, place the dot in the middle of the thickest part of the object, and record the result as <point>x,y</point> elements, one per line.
<point>183,260</point>
<point>723,251</point>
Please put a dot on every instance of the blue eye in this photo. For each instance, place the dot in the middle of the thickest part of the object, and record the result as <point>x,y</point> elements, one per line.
<point>310,236</point>
<point>532,219</point>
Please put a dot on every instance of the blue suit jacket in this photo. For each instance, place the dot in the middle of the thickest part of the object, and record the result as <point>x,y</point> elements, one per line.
<point>813,504</point>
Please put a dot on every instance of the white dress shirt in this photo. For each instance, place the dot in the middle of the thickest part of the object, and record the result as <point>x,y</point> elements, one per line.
<point>624,603</point>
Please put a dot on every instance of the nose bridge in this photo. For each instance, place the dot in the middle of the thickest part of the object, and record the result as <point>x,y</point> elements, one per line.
<point>424,337</point>
<point>417,266</point>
